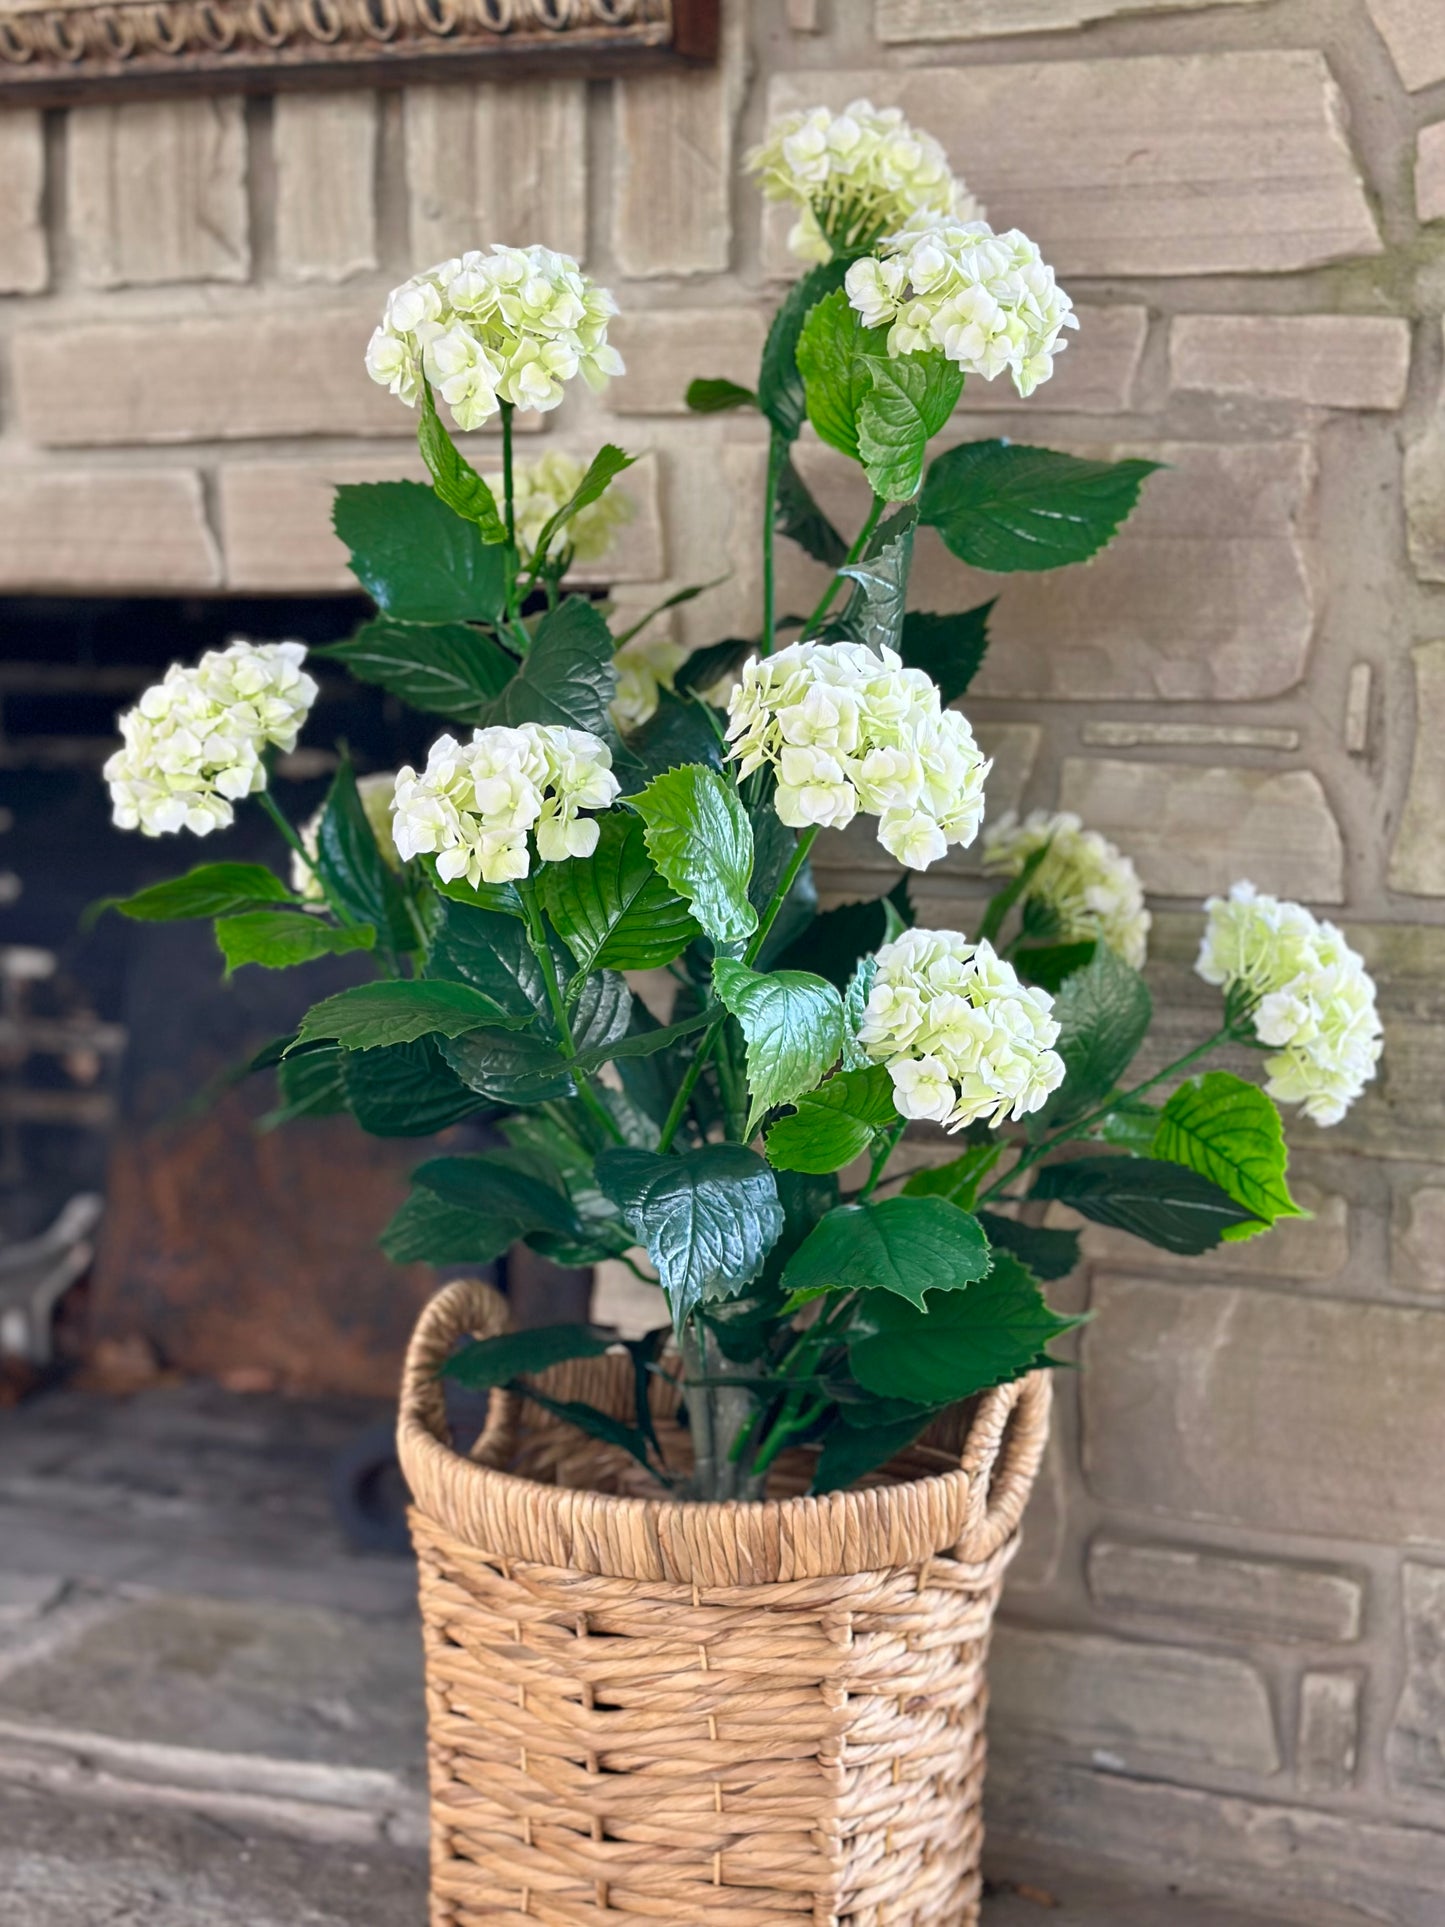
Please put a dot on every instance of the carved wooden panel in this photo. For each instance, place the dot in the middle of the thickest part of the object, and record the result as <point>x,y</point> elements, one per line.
<point>53,52</point>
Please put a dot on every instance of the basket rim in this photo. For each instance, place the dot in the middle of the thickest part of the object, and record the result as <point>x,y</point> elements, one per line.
<point>969,1514</point>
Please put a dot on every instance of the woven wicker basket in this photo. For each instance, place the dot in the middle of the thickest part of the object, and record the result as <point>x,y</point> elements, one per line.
<point>740,1715</point>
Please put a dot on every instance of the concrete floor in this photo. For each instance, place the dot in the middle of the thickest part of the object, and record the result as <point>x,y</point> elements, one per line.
<point>210,1709</point>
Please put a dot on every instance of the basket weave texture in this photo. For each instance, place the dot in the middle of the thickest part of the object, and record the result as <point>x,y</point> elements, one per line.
<point>738,1715</point>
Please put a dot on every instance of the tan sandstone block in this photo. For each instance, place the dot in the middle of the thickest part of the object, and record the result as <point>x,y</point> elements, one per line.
<point>276,522</point>
<point>1193,829</point>
<point>673,165</point>
<point>24,267</point>
<point>1324,360</point>
<point>503,161</point>
<point>1163,164</point>
<point>1242,1598</point>
<point>666,350</point>
<point>78,530</point>
<point>203,378</point>
<point>1430,173</point>
<point>1418,1242</point>
<point>1137,1703</point>
<point>1417,862</point>
<point>1253,1408</point>
<point>1095,376</point>
<point>1415,1749</point>
<point>1414,31</point>
<point>901,21</point>
<point>1328,1742</point>
<point>325,147</point>
<point>158,192</point>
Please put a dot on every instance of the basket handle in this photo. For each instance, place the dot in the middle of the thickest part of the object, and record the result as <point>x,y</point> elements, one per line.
<point>1004,1450</point>
<point>467,1307</point>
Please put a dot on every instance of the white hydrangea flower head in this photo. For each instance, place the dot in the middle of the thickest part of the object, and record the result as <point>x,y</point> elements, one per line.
<point>645,667</point>
<point>988,301</point>
<point>1091,887</point>
<point>509,325</point>
<point>848,730</point>
<point>474,804</point>
<point>962,1038</point>
<point>1315,1000</point>
<point>376,793</point>
<point>541,488</point>
<point>196,740</point>
<point>854,176</point>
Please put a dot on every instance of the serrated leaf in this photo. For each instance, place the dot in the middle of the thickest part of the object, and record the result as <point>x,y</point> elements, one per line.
<point>1165,1204</point>
<point>707,1218</point>
<point>486,1362</point>
<point>1003,506</point>
<point>1104,1012</point>
<point>712,394</point>
<point>1230,1131</point>
<point>677,732</point>
<point>643,1043</point>
<point>1047,1252</point>
<point>704,667</point>
<point>1050,965</point>
<point>370,1016</point>
<point>780,386</point>
<point>834,1124</point>
<point>911,398</point>
<point>699,837</point>
<point>354,871</point>
<point>312,1085</point>
<point>417,560</point>
<point>510,1067</point>
<point>613,909</point>
<point>1131,1124</point>
<point>959,1179</point>
<point>443,669</point>
<point>904,1246</point>
<point>835,357</point>
<point>606,464</point>
<point>405,1090</point>
<point>802,521</point>
<point>873,613</point>
<point>855,1003</point>
<point>849,1452</point>
<point>489,950</point>
<point>279,939</point>
<point>793,1023</point>
<point>210,890</point>
<point>833,942</point>
<point>567,678</point>
<point>964,1342</point>
<point>426,1230</point>
<point>504,1186</point>
<point>601,1015</point>
<point>774,847</point>
<point>454,479</point>
<point>948,649</point>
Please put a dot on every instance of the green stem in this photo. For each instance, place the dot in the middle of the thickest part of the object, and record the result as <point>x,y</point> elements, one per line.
<point>709,1042</point>
<point>546,963</point>
<point>887,1146</point>
<point>860,543</point>
<point>268,804</point>
<point>777,455</point>
<point>1080,1125</point>
<point>509,500</point>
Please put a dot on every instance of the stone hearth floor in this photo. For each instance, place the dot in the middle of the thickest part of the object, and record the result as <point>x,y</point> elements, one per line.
<point>210,1710</point>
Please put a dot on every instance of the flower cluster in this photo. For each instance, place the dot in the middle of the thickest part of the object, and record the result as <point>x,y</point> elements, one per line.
<point>989,301</point>
<point>846,730</point>
<point>645,667</point>
<point>474,803</point>
<point>1313,1001</point>
<point>1090,888</point>
<point>544,487</point>
<point>195,741</point>
<point>962,1038</point>
<point>855,175</point>
<point>509,326</point>
<point>376,794</point>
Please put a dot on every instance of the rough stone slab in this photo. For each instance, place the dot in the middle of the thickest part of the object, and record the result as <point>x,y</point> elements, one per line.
<point>157,192</point>
<point>1136,1703</point>
<point>1107,1897</point>
<point>1193,829</point>
<point>250,375</point>
<point>1149,735</point>
<point>666,350</point>
<point>1327,1744</point>
<point>1165,164</point>
<point>78,529</point>
<point>1417,862</point>
<point>1095,376</point>
<point>1414,31</point>
<point>1239,1597</point>
<point>1259,1409</point>
<point>673,165</point>
<point>1322,360</point>
<point>1425,496</point>
<point>900,22</point>
<point>276,522</point>
<point>1415,1749</point>
<point>497,163</point>
<point>1322,1869</point>
<point>24,260</point>
<point>24,1596</point>
<point>71,1863</point>
<point>1417,1257</point>
<point>1314,1247</point>
<point>1430,173</point>
<point>325,148</point>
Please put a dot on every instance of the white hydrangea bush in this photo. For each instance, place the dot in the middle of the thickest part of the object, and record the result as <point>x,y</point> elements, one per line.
<point>589,799</point>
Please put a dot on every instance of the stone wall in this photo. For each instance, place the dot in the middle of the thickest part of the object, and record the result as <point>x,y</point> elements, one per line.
<point>1224,1647</point>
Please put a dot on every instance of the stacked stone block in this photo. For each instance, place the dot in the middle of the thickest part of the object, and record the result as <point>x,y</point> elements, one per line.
<point>1224,1642</point>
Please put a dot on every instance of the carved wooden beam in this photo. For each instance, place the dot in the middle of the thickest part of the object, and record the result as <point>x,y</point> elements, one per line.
<point>56,52</point>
